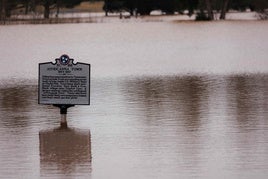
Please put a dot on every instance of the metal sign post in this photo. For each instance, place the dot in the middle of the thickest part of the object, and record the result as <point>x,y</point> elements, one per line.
<point>63,113</point>
<point>64,84</point>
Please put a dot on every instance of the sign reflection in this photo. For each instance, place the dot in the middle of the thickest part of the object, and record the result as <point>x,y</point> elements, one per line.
<point>65,152</point>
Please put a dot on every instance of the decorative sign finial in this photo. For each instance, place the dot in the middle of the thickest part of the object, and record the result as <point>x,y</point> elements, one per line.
<point>64,60</point>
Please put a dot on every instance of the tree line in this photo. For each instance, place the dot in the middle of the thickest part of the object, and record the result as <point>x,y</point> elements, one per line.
<point>6,6</point>
<point>205,8</point>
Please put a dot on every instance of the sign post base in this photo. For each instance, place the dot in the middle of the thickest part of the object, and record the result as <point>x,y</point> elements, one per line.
<point>63,112</point>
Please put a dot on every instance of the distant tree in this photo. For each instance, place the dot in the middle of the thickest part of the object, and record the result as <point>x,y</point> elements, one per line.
<point>26,4</point>
<point>113,6</point>
<point>31,5</point>
<point>51,4</point>
<point>131,6</point>
<point>261,7</point>
<point>2,12</point>
<point>209,9</point>
<point>191,5</point>
<point>6,7</point>
<point>2,9</point>
<point>66,4</point>
<point>240,5</point>
<point>167,6</point>
<point>47,5</point>
<point>224,9</point>
<point>143,7</point>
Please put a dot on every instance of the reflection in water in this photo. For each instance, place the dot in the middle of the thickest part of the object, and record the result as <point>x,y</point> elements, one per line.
<point>15,104</point>
<point>183,98</point>
<point>189,95</point>
<point>154,127</point>
<point>65,153</point>
<point>247,96</point>
<point>220,122</point>
<point>247,106</point>
<point>175,108</point>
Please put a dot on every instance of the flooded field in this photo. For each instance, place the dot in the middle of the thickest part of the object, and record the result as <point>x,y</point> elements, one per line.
<point>168,100</point>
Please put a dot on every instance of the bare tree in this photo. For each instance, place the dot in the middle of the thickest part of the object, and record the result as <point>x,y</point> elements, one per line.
<point>2,9</point>
<point>209,9</point>
<point>219,5</point>
<point>46,5</point>
<point>224,9</point>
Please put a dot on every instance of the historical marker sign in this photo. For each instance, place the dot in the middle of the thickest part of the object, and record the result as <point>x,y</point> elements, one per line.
<point>64,82</point>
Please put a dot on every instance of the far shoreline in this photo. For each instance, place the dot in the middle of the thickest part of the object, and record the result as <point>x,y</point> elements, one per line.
<point>83,17</point>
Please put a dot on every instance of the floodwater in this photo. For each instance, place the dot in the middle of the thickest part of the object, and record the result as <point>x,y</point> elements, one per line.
<point>168,100</point>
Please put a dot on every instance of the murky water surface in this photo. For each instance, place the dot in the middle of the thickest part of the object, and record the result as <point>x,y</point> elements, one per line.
<point>168,100</point>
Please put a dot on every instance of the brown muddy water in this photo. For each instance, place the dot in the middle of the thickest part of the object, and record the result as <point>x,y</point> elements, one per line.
<point>168,100</point>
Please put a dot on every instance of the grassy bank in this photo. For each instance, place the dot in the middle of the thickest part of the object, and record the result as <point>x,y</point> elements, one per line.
<point>66,15</point>
<point>90,6</point>
<point>83,7</point>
